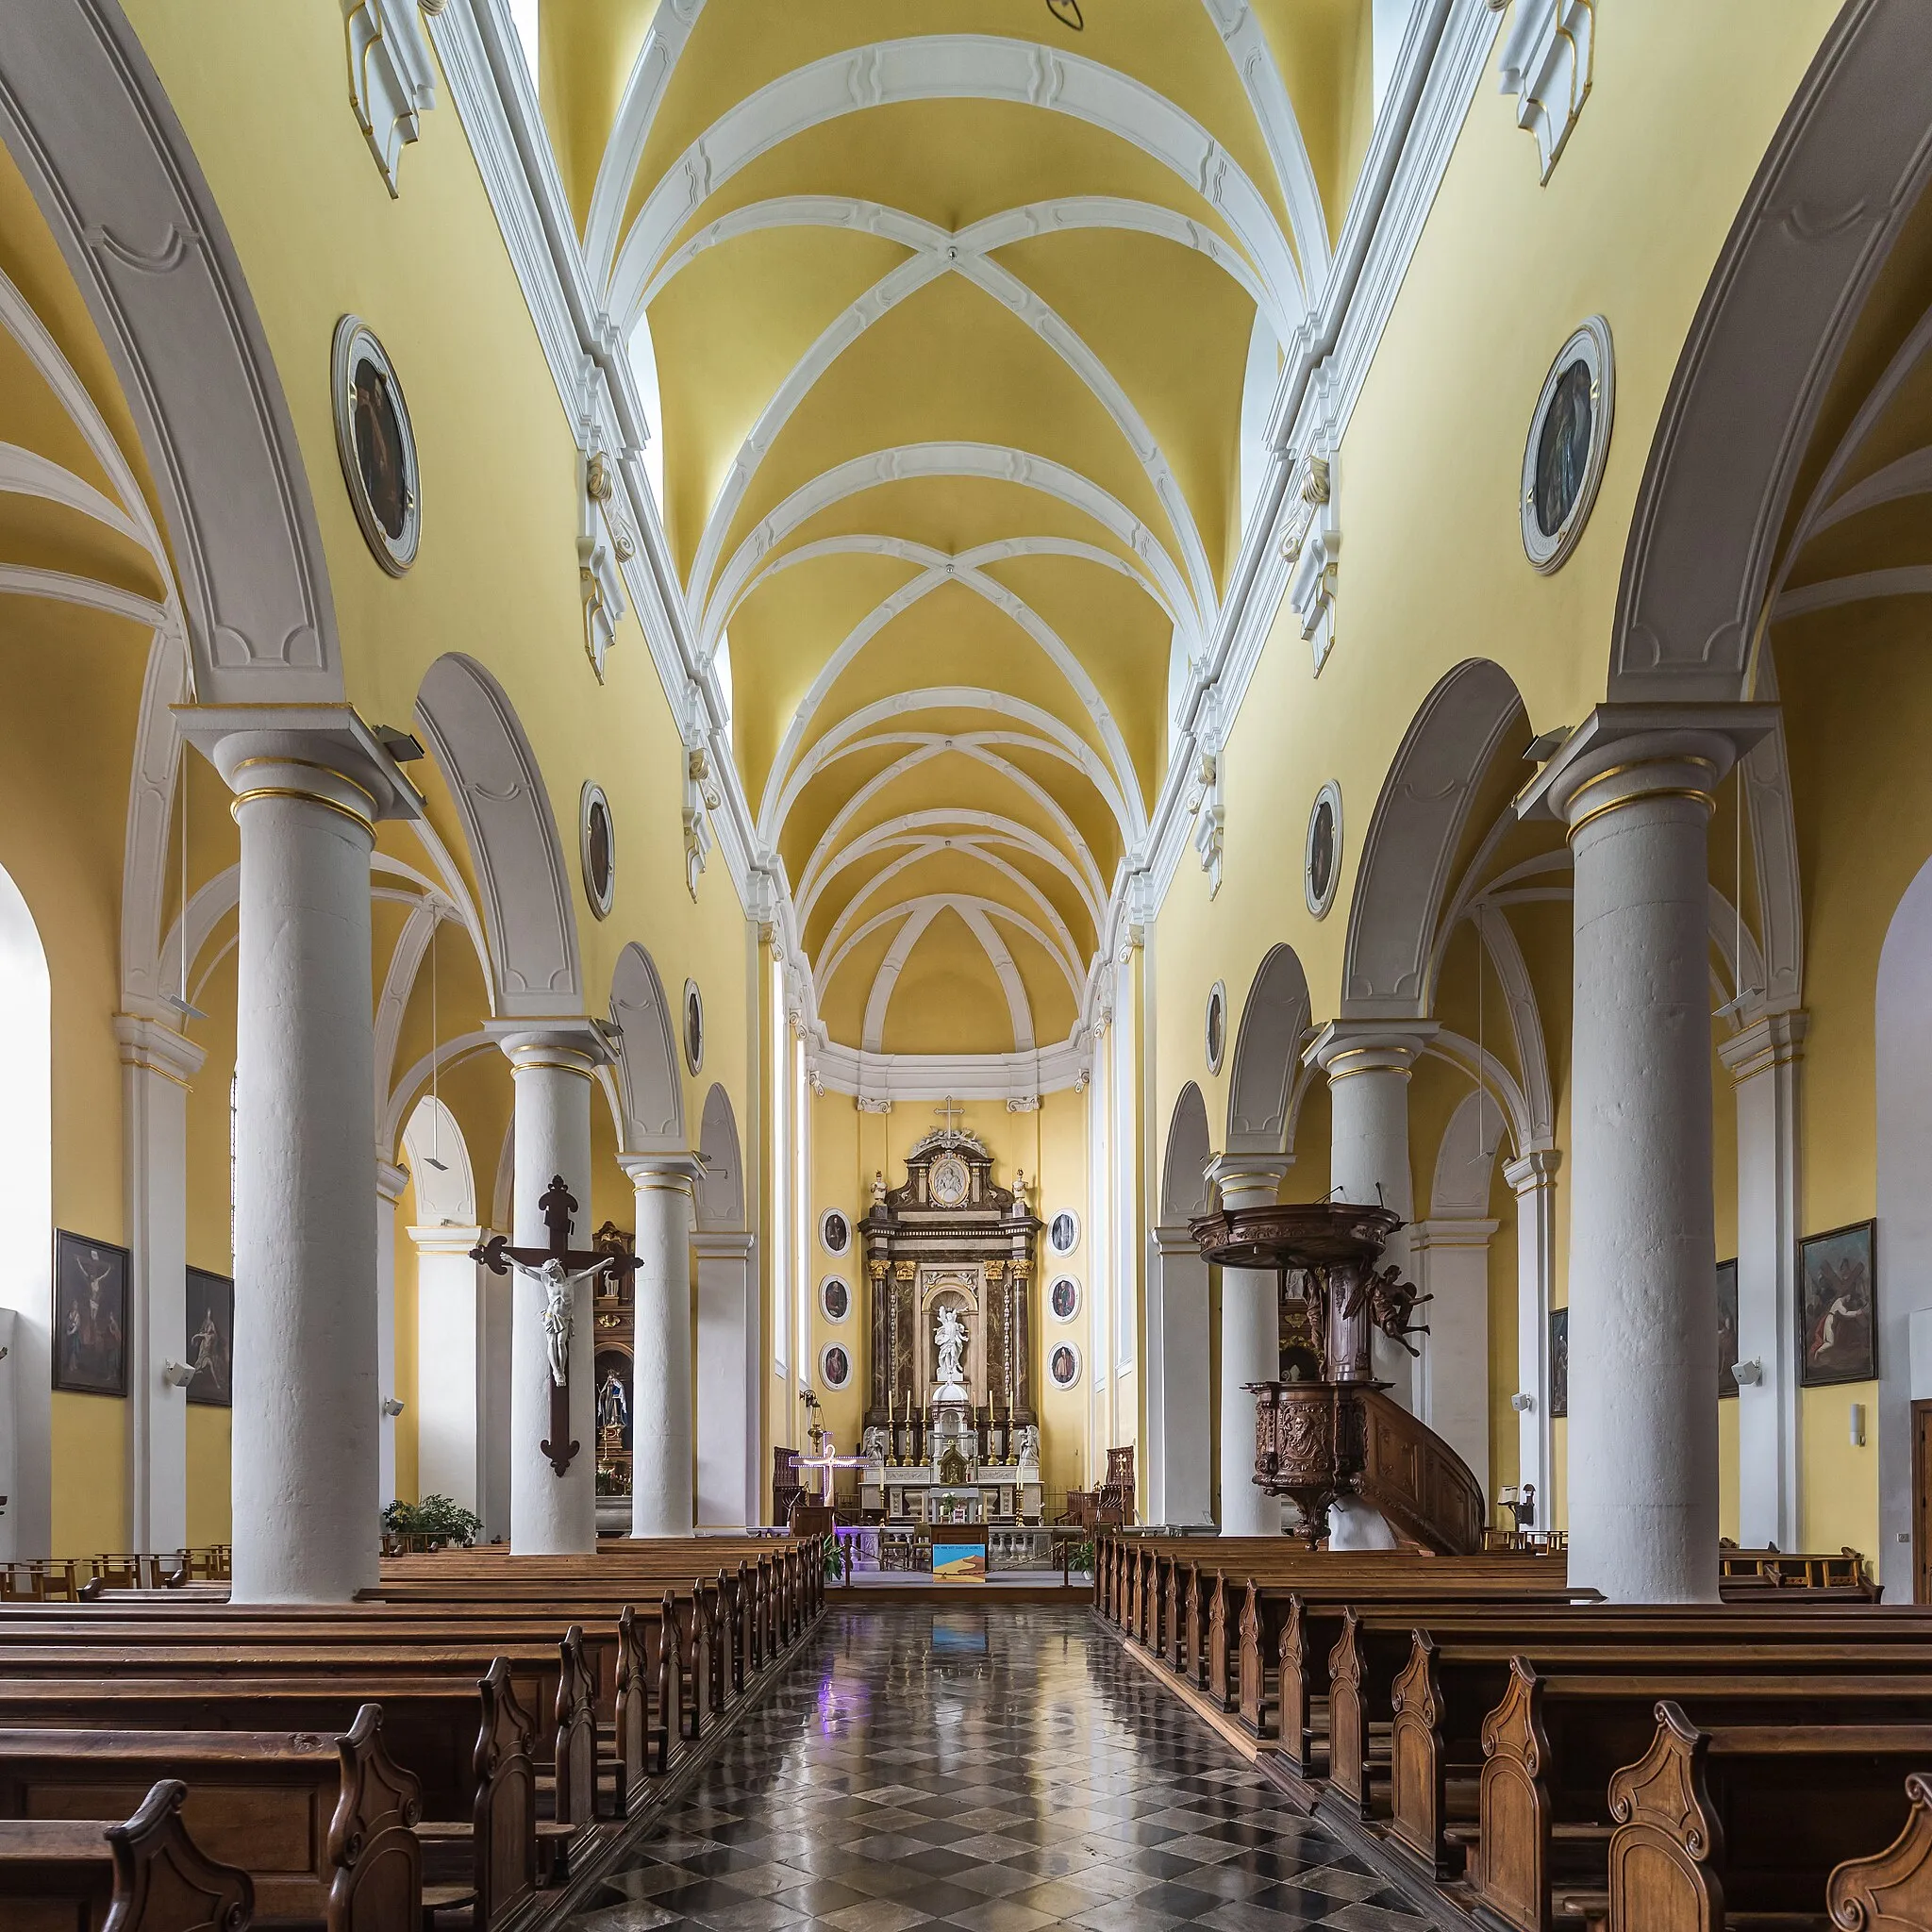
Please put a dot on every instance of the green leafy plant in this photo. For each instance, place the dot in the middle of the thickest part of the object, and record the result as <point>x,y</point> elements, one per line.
<point>434,1524</point>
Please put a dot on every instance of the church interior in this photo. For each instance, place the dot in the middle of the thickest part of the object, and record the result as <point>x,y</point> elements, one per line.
<point>807,1130</point>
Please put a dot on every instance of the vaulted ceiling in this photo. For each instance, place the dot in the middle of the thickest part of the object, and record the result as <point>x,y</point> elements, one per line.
<point>950,309</point>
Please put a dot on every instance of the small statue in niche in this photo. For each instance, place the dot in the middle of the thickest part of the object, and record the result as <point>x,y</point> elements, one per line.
<point>1391,1301</point>
<point>879,1188</point>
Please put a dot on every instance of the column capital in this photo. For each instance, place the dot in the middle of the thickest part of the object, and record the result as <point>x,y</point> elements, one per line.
<point>1249,1180</point>
<point>390,1179</point>
<point>158,1049</point>
<point>1624,753</point>
<point>1175,1240</point>
<point>1536,1169</point>
<point>323,753</point>
<point>445,1241</point>
<point>1450,1232</point>
<point>723,1244</point>
<point>675,1171</point>
<point>1773,1040</point>
<point>570,1044</point>
<point>1344,1047</point>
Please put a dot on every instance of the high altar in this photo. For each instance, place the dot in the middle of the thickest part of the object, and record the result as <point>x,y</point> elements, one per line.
<point>951,1435</point>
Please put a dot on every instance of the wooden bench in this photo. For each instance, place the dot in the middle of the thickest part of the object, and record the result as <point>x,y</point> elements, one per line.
<point>1720,1821</point>
<point>1891,1887</point>
<point>324,1827</point>
<point>1554,1743</point>
<point>143,1876</point>
<point>468,1747</point>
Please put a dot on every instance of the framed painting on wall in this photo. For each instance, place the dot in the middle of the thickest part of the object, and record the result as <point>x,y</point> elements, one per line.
<point>1727,1329</point>
<point>1559,1362</point>
<point>210,1341</point>
<point>1838,1306</point>
<point>89,1316</point>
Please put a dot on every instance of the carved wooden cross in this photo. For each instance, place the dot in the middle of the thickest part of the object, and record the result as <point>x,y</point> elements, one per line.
<point>558,1205</point>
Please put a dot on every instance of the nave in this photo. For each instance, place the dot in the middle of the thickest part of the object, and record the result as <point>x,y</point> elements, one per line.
<point>1004,1770</point>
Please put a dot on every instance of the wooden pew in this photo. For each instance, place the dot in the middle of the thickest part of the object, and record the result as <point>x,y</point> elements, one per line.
<point>1442,1697</point>
<point>468,1747</point>
<point>143,1876</point>
<point>1891,1887</point>
<point>1719,1821</point>
<point>1554,1743</point>
<point>324,1827</point>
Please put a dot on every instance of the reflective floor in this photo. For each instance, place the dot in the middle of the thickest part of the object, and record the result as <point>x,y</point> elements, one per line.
<point>1002,1769</point>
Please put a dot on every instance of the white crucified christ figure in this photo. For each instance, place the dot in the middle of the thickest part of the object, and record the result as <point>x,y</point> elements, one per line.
<point>558,1313</point>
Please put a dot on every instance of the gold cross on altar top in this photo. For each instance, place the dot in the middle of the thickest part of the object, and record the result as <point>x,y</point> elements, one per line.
<point>951,1107</point>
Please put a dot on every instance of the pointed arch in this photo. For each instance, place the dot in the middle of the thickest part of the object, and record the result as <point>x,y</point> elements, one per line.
<point>720,1190</point>
<point>1267,1056</point>
<point>648,1073</point>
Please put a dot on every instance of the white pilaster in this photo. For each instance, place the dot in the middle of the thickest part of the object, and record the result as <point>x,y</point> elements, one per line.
<point>1368,1068</point>
<point>554,1063</point>
<point>156,1064</point>
<point>728,1324</point>
<point>1250,1350</point>
<point>1534,1180</point>
<point>1764,1060</point>
<point>308,785</point>
<point>450,1366</point>
<point>390,1182</point>
<point>1451,1262</point>
<point>1180,1451</point>
<point>661,1396</point>
<point>1635,786</point>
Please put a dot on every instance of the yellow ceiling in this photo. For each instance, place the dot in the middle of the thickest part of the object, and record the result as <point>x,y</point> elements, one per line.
<point>950,667</point>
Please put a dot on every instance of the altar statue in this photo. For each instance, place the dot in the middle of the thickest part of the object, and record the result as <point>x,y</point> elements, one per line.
<point>949,1338</point>
<point>613,1406</point>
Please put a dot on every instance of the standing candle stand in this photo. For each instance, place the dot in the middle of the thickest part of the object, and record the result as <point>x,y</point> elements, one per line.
<point>1311,1435</point>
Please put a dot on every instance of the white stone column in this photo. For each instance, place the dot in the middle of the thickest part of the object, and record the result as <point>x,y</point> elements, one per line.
<point>1636,791</point>
<point>1180,1451</point>
<point>1368,1067</point>
<point>728,1354</point>
<point>1534,1180</point>
<point>553,1063</point>
<point>450,1359</point>
<point>660,1395</point>
<point>309,784</point>
<point>390,1182</point>
<point>1764,1060</point>
<point>156,1064</point>
<point>1450,1258</point>
<point>1250,1351</point>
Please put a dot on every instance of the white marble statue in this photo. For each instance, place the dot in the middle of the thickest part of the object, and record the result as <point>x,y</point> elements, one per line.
<point>559,1312</point>
<point>950,1339</point>
<point>1028,1440</point>
<point>874,1443</point>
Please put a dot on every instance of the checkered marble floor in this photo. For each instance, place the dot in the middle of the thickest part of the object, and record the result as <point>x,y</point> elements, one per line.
<point>1003,1768</point>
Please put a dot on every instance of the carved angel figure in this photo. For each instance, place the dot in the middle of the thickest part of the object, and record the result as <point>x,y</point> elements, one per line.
<point>1028,1440</point>
<point>1391,1301</point>
<point>874,1442</point>
<point>950,1339</point>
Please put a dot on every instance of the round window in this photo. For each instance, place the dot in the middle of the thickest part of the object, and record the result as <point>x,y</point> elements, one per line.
<point>597,842</point>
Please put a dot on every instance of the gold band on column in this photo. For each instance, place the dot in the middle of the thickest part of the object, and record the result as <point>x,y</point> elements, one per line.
<point>1597,811</point>
<point>349,812</point>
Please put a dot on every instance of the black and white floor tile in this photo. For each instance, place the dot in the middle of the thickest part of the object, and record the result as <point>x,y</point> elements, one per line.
<point>1001,1769</point>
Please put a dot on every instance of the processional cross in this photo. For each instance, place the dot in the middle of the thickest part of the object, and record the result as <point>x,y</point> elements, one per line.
<point>557,1270</point>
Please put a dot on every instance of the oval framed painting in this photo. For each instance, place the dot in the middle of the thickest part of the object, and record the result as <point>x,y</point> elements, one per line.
<point>1214,1025</point>
<point>1063,1297</point>
<point>1064,1232</point>
<point>693,1027</point>
<point>1568,444</point>
<point>835,1231</point>
<point>1063,1364</point>
<point>1321,853</point>
<point>835,1298</point>
<point>835,1366</point>
<point>597,848</point>
<point>376,445</point>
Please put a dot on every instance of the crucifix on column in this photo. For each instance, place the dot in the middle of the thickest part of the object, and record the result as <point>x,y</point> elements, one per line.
<point>557,1270</point>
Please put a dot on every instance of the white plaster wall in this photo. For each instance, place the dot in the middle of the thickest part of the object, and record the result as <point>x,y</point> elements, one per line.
<point>1904,1211</point>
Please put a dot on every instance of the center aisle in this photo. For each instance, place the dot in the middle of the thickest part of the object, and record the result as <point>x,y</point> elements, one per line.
<point>1000,1767</point>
